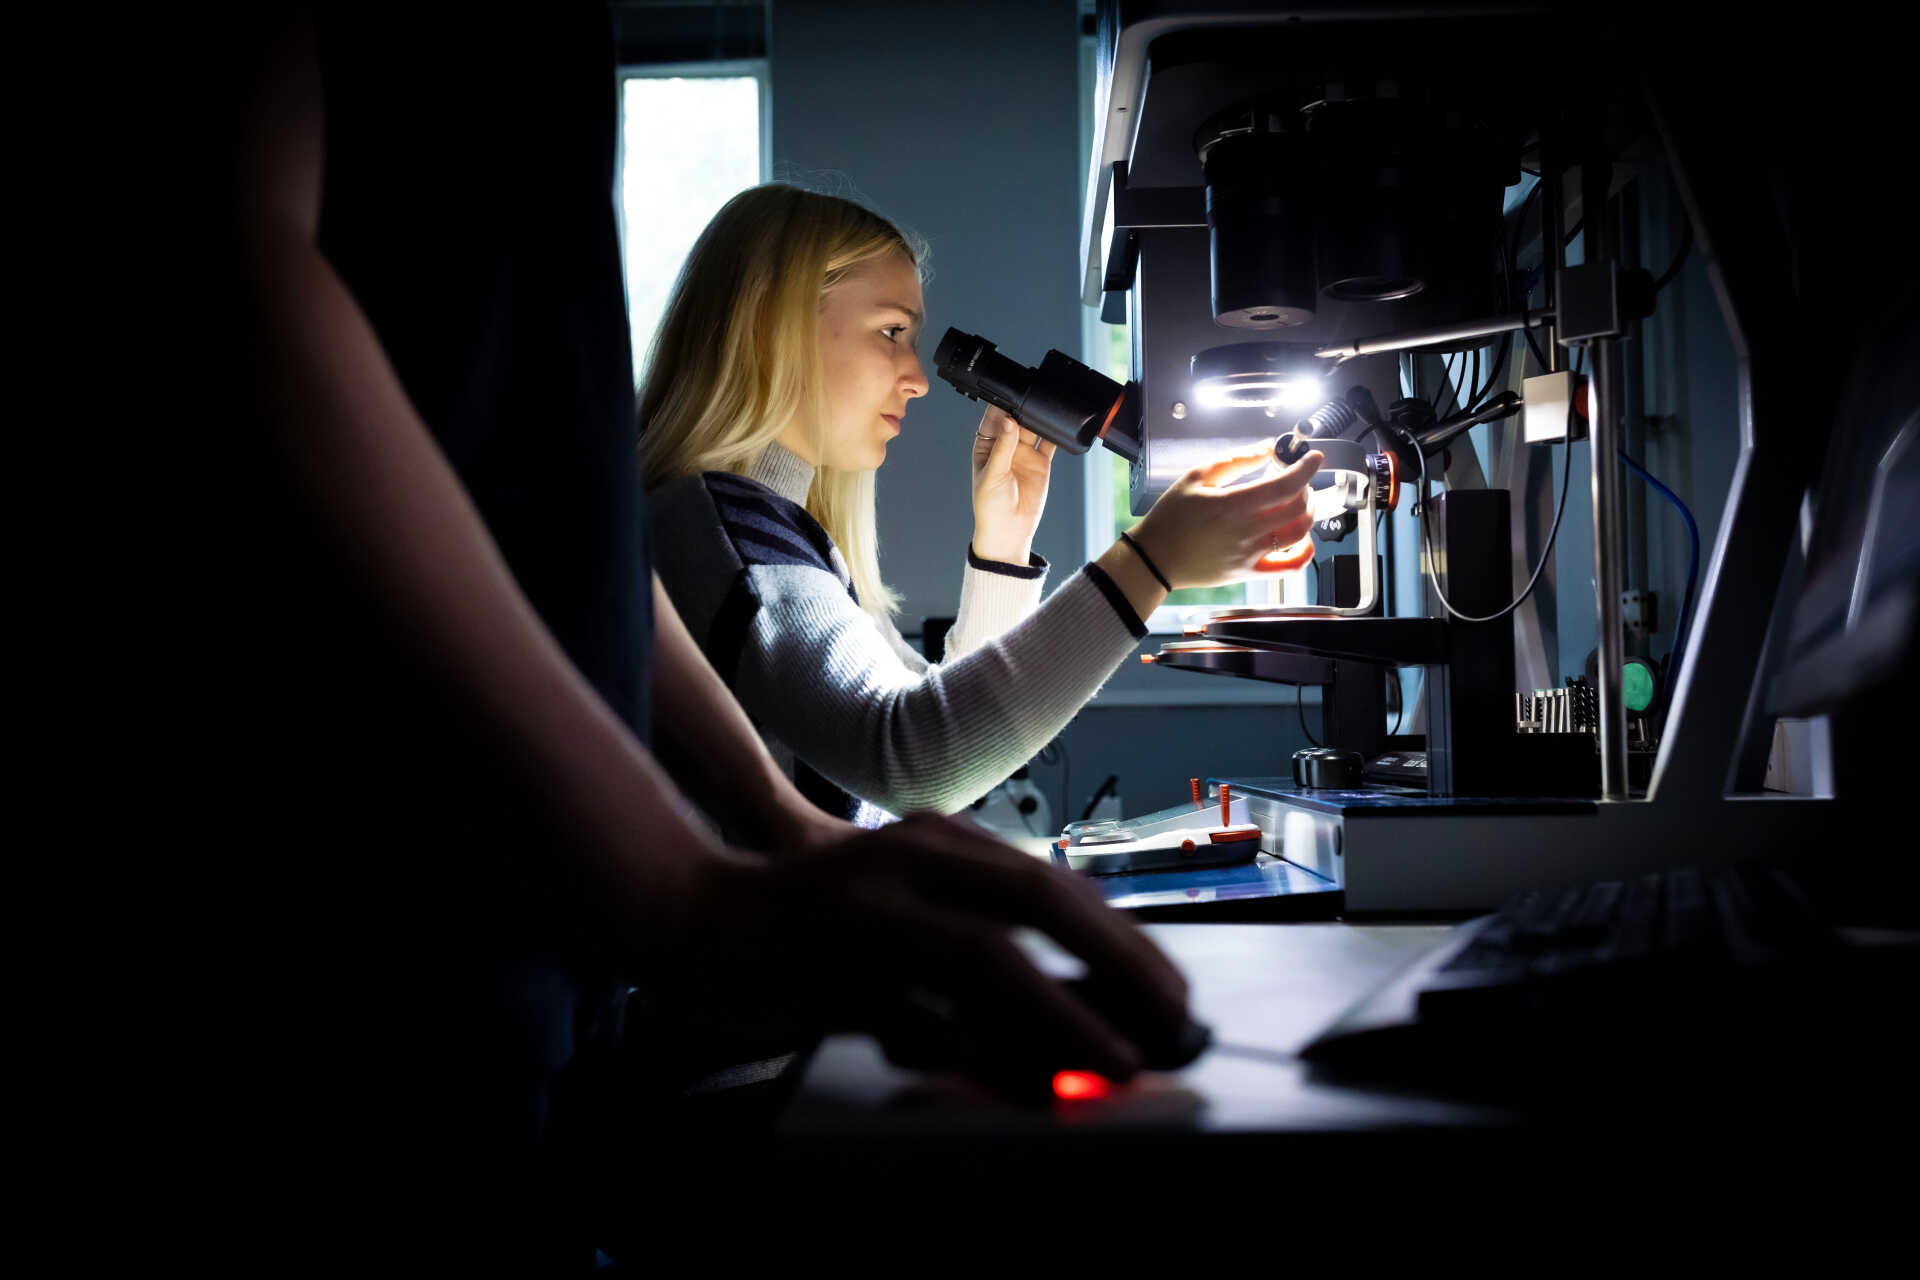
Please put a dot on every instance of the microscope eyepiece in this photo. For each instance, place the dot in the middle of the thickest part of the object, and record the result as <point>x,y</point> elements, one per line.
<point>1063,400</point>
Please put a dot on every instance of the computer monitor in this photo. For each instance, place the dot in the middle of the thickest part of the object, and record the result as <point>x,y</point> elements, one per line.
<point>1852,631</point>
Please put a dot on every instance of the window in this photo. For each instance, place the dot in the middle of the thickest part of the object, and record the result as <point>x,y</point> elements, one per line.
<point>691,137</point>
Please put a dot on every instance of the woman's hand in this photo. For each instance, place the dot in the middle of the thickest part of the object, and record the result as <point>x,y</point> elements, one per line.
<point>1010,471</point>
<point>1201,534</point>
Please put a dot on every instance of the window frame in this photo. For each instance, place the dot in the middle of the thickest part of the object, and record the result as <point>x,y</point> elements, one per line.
<point>718,69</point>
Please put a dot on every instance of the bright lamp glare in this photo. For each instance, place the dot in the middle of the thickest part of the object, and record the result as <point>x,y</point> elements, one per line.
<point>1259,393</point>
<point>1302,393</point>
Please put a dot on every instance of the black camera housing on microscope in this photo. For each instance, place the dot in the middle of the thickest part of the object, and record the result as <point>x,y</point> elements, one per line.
<point>1063,400</point>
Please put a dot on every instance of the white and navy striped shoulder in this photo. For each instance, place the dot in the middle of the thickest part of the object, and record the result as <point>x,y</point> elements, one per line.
<point>767,529</point>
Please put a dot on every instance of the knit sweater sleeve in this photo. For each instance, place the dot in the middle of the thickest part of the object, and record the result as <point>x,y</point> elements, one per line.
<point>818,671</point>
<point>993,598</point>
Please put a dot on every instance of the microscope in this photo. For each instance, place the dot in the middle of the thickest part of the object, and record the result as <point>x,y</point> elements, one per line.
<point>1303,216</point>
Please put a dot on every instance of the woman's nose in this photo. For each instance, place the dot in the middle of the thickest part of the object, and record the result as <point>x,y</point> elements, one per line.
<point>914,381</point>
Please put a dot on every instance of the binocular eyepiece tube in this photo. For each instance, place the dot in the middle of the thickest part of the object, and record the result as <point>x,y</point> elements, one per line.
<point>1063,400</point>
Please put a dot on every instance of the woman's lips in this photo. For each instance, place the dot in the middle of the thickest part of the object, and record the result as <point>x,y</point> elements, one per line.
<point>893,419</point>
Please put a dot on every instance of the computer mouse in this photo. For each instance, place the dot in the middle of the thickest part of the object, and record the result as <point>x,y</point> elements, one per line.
<point>920,1035</point>
<point>1161,1049</point>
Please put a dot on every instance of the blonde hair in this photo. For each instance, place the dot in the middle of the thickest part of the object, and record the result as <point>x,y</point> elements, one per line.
<point>736,359</point>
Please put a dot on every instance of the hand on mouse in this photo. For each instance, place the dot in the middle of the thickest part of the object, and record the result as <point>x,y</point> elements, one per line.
<point>907,932</point>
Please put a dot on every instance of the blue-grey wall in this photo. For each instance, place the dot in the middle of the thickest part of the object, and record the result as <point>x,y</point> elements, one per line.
<point>959,122</point>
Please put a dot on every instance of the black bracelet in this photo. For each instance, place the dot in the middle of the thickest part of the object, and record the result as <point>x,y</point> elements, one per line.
<point>1152,568</point>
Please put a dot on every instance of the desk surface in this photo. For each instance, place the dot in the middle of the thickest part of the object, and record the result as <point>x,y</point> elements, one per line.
<point>1265,989</point>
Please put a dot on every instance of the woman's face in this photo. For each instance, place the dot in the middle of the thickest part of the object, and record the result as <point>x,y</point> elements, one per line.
<point>868,326</point>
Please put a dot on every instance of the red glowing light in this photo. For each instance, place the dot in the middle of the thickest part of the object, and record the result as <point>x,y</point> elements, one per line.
<point>1079,1086</point>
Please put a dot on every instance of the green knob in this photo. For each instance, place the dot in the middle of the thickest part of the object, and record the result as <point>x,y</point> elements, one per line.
<point>1636,685</point>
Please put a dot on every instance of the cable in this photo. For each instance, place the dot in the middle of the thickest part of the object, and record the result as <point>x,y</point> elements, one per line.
<point>1494,372</point>
<point>1513,254</point>
<point>1477,390</point>
<point>1446,386</point>
<point>1100,793</point>
<point>1254,1052</point>
<point>1300,705</point>
<point>1401,697</point>
<point>1426,531</point>
<point>1499,364</point>
<point>1498,370</point>
<point>1683,621</point>
<point>1452,388</point>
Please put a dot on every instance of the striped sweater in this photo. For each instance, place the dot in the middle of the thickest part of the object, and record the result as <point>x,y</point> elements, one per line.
<point>847,707</point>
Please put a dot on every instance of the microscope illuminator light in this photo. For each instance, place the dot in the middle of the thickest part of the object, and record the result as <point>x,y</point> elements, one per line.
<point>1259,391</point>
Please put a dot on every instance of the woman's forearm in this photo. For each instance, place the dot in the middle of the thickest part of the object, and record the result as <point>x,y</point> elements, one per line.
<point>818,674</point>
<point>1136,581</point>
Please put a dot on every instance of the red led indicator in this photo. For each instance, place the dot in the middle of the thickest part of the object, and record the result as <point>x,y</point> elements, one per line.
<point>1079,1086</point>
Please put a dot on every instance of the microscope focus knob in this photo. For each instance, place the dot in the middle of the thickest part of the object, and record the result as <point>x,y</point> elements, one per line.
<point>1291,447</point>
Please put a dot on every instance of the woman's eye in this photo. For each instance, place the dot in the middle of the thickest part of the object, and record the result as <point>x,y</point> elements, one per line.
<point>893,331</point>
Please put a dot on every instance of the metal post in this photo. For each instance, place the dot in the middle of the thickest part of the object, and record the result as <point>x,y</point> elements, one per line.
<point>1604,438</point>
<point>1607,582</point>
<point>1633,421</point>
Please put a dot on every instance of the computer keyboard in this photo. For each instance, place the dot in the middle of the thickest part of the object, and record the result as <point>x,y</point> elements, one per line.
<point>1571,946</point>
<point>1399,768</point>
<point>1686,962</point>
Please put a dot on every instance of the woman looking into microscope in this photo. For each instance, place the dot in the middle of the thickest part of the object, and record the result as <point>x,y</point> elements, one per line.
<point>783,367</point>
